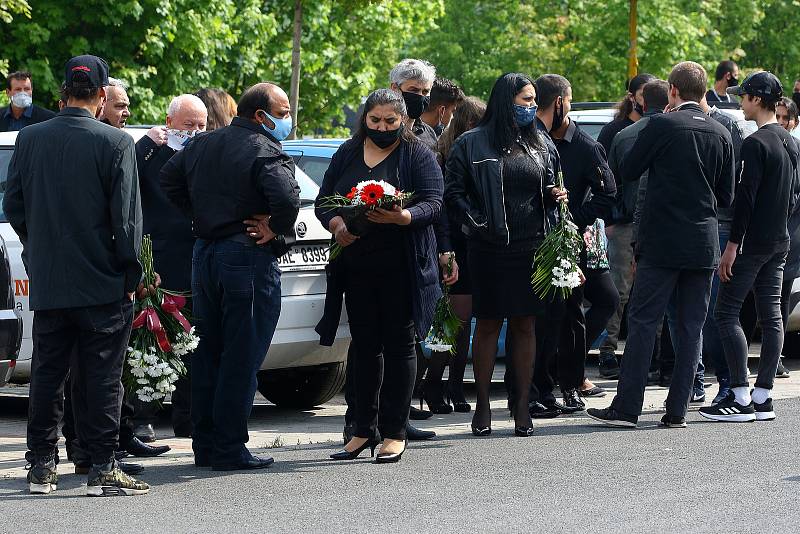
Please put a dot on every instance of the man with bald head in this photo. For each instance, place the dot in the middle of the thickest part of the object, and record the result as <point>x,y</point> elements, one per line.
<point>238,187</point>
<point>169,228</point>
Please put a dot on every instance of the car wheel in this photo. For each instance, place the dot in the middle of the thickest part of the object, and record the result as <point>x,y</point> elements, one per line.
<point>303,387</point>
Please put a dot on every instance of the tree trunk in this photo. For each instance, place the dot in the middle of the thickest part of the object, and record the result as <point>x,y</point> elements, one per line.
<point>633,60</point>
<point>294,90</point>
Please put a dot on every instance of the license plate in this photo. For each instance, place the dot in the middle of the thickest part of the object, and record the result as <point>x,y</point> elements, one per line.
<point>304,258</point>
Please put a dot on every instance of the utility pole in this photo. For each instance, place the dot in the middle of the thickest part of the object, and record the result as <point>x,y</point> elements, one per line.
<point>294,89</point>
<point>633,60</point>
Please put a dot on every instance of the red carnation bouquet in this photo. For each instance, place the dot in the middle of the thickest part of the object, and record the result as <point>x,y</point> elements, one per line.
<point>161,334</point>
<point>354,206</point>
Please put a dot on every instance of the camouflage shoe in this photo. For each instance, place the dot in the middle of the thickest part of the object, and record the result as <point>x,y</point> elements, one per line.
<point>43,477</point>
<point>110,480</point>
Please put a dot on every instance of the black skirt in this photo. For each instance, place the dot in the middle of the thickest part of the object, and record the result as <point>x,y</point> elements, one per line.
<point>501,283</point>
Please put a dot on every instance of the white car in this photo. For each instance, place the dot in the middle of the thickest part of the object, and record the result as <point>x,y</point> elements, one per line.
<point>593,120</point>
<point>297,371</point>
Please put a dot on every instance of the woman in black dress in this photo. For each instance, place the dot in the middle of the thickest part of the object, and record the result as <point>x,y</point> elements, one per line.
<point>500,184</point>
<point>388,274</point>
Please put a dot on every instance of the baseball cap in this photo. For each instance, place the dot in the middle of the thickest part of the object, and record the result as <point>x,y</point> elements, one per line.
<point>86,72</point>
<point>763,84</point>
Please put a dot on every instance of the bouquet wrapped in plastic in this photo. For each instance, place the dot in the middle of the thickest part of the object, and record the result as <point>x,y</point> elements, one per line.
<point>446,324</point>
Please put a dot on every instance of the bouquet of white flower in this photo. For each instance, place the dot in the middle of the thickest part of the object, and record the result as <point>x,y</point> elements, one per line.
<point>556,260</point>
<point>161,335</point>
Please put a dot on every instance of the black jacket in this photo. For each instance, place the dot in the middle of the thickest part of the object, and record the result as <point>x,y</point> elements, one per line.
<point>474,187</point>
<point>72,196</point>
<point>765,193</point>
<point>587,176</point>
<point>689,156</point>
<point>37,115</point>
<point>168,227</point>
<point>420,174</point>
<point>223,177</point>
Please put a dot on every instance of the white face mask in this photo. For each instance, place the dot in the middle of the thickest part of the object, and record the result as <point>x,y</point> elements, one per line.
<point>22,100</point>
<point>177,139</point>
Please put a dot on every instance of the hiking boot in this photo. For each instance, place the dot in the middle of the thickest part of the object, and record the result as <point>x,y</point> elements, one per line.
<point>43,477</point>
<point>109,481</point>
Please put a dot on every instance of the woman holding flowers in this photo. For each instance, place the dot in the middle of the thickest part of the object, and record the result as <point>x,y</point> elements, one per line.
<point>388,272</point>
<point>500,184</point>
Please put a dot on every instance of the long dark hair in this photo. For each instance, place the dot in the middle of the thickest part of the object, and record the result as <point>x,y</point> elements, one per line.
<point>465,117</point>
<point>383,97</point>
<point>625,106</point>
<point>499,116</point>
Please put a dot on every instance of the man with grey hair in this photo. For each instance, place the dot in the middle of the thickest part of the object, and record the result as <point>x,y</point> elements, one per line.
<point>414,78</point>
<point>169,228</point>
<point>116,109</point>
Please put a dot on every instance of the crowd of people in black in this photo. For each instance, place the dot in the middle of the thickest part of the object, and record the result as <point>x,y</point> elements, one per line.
<point>689,227</point>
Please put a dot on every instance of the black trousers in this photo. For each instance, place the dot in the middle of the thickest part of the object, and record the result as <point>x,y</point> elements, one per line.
<point>384,361</point>
<point>89,343</point>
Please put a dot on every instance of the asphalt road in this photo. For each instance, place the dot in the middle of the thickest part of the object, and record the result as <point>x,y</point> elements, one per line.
<point>572,476</point>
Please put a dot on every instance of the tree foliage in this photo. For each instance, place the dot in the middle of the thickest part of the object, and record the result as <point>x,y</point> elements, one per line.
<point>167,47</point>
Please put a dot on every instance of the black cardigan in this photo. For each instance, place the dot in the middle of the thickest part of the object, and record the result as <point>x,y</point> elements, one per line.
<point>421,175</point>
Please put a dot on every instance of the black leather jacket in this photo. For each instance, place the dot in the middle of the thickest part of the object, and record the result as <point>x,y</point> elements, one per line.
<point>474,188</point>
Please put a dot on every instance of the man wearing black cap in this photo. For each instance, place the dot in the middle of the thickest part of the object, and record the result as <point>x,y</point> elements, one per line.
<point>754,258</point>
<point>78,215</point>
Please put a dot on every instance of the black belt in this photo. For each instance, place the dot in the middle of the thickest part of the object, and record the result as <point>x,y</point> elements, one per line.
<point>244,239</point>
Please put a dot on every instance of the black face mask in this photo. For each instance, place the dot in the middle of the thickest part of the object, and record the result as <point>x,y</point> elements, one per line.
<point>733,81</point>
<point>558,117</point>
<point>416,104</point>
<point>386,138</point>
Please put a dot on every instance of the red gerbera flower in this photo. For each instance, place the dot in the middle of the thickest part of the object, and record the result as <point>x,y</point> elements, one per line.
<point>371,194</point>
<point>351,195</point>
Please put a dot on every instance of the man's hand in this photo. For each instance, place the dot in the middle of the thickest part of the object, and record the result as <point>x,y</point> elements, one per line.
<point>726,262</point>
<point>396,215</point>
<point>560,195</point>
<point>143,292</point>
<point>339,230</point>
<point>158,134</point>
<point>449,274</point>
<point>258,228</point>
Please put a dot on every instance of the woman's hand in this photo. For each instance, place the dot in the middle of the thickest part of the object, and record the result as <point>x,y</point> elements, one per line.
<point>449,273</point>
<point>560,195</point>
<point>396,215</point>
<point>339,230</point>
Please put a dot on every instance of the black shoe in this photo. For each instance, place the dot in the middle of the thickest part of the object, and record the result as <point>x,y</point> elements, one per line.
<point>254,462</point>
<point>121,454</point>
<point>596,391</point>
<point>436,403</point>
<point>143,450</point>
<point>182,430</point>
<point>145,433</point>
<point>460,403</point>
<point>612,417</point>
<point>109,480</point>
<point>43,476</point>
<point>523,432</point>
<point>415,434</point>
<point>344,454</point>
<point>673,421</point>
<point>609,367</point>
<point>127,468</point>
<point>573,402</point>
<point>538,410</point>
<point>764,411</point>
<point>419,415</point>
<point>729,411</point>
<point>390,457</point>
<point>782,371</point>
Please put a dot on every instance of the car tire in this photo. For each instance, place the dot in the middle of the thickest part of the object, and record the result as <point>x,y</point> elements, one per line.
<point>303,387</point>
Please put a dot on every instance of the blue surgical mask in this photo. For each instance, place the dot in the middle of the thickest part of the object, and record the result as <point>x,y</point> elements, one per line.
<point>283,127</point>
<point>524,115</point>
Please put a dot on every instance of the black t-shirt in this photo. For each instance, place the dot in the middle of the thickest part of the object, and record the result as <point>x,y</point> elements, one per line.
<point>610,130</point>
<point>379,236</point>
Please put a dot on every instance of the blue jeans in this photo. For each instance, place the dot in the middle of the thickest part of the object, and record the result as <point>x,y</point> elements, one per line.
<point>236,292</point>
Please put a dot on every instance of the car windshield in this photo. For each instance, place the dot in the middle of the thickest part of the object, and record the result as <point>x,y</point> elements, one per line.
<point>308,188</point>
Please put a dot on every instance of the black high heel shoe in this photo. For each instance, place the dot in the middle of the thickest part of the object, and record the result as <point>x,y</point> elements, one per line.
<point>344,454</point>
<point>436,403</point>
<point>523,432</point>
<point>481,431</point>
<point>459,403</point>
<point>391,457</point>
